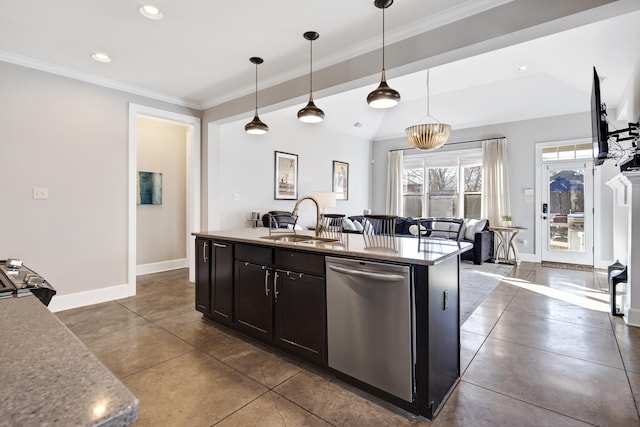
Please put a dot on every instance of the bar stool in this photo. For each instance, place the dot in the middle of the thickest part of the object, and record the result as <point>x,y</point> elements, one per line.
<point>379,232</point>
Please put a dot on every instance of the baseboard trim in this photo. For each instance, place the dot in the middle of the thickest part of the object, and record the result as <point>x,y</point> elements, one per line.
<point>632,316</point>
<point>94,296</point>
<point>528,257</point>
<point>158,267</point>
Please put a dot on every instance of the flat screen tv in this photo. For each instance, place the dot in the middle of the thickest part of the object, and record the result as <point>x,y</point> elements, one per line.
<point>599,126</point>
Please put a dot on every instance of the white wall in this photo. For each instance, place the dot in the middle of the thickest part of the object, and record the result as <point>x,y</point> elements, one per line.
<point>72,138</point>
<point>162,229</point>
<point>242,165</point>
<point>522,138</point>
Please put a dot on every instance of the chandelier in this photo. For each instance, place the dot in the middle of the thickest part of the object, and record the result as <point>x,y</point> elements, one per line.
<point>431,135</point>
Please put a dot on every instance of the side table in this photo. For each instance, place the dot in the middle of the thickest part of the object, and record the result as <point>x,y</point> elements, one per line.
<point>506,250</point>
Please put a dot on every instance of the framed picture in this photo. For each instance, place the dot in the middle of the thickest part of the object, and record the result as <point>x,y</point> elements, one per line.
<point>286,176</point>
<point>341,180</point>
<point>149,188</point>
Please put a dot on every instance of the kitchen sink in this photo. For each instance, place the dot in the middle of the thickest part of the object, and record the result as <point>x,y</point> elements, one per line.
<point>294,238</point>
<point>288,237</point>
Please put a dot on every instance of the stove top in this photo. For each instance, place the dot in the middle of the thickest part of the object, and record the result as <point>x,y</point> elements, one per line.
<point>22,281</point>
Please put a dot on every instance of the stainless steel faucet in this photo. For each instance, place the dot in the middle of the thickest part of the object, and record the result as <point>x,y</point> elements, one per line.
<point>318,219</point>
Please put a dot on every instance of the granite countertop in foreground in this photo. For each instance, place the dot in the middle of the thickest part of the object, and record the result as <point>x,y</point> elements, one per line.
<point>50,378</point>
<point>383,248</point>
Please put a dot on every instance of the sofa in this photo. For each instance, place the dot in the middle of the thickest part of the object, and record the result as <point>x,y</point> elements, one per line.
<point>475,231</point>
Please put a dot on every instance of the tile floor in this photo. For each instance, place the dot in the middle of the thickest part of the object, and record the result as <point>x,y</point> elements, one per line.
<point>540,350</point>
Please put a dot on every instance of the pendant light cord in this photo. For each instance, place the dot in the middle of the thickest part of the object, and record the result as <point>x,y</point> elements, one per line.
<point>256,88</point>
<point>428,115</point>
<point>383,38</point>
<point>311,67</point>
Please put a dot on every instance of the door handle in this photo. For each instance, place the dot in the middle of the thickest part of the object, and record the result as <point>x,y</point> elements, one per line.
<point>219,245</point>
<point>275,285</point>
<point>205,245</point>
<point>367,274</point>
<point>266,281</point>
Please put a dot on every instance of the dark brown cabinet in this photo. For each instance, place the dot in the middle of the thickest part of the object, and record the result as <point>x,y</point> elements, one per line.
<point>278,304</point>
<point>214,279</point>
<point>203,276</point>
<point>253,299</point>
<point>222,281</point>
<point>299,301</point>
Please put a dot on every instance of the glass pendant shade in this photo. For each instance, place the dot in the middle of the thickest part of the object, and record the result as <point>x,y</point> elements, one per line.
<point>256,126</point>
<point>310,113</point>
<point>383,96</point>
<point>431,135</point>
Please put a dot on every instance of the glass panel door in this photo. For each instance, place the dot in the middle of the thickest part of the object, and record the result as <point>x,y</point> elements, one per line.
<point>567,212</point>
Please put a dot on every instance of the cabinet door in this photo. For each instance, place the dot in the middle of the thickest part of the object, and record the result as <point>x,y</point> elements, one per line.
<point>300,314</point>
<point>222,281</point>
<point>253,299</point>
<point>203,276</point>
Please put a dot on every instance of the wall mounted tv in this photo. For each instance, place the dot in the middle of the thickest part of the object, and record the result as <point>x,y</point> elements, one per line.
<point>599,127</point>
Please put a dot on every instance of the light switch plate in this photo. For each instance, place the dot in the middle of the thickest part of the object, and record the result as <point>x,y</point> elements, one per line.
<point>40,193</point>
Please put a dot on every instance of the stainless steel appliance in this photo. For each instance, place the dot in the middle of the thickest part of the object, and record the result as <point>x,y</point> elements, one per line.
<point>16,279</point>
<point>370,323</point>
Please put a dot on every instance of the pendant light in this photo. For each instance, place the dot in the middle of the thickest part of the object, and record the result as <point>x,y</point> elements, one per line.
<point>431,135</point>
<point>256,126</point>
<point>310,113</point>
<point>383,96</point>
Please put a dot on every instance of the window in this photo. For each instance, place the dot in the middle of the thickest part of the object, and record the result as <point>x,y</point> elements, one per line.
<point>472,191</point>
<point>567,152</point>
<point>413,187</point>
<point>443,192</point>
<point>447,185</point>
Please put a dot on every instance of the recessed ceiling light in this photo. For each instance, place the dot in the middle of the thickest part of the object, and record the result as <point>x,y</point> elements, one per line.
<point>151,12</point>
<point>523,68</point>
<point>101,57</point>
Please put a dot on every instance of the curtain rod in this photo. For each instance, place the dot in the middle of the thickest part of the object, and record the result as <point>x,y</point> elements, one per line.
<point>450,143</point>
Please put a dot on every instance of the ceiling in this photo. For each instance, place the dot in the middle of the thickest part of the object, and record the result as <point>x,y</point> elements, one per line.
<point>197,56</point>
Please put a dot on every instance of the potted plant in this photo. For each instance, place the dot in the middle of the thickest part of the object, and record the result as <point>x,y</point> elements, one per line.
<point>506,220</point>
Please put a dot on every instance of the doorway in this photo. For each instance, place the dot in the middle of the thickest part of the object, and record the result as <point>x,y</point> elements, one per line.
<point>567,212</point>
<point>193,183</point>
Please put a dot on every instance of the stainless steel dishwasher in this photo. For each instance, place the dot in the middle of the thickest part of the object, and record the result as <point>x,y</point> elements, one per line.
<point>370,326</point>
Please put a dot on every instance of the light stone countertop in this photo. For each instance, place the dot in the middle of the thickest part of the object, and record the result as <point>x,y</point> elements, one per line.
<point>50,378</point>
<point>381,248</point>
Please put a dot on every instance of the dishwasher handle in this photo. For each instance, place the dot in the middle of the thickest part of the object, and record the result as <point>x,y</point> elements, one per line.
<point>367,274</point>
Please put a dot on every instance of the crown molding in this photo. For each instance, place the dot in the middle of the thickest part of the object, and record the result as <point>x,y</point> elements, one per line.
<point>47,67</point>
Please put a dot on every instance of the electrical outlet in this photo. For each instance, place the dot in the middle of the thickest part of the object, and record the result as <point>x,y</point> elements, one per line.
<point>525,243</point>
<point>40,193</point>
<point>236,196</point>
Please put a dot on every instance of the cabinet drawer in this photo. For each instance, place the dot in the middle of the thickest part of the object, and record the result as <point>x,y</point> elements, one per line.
<point>300,261</point>
<point>255,254</point>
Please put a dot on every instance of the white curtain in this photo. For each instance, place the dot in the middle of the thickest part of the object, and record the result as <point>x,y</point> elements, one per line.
<point>495,177</point>
<point>394,183</point>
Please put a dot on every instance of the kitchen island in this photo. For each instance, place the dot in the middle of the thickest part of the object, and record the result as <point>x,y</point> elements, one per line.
<point>50,378</point>
<point>379,312</point>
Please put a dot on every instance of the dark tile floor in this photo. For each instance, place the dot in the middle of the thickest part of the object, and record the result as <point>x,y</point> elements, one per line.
<point>540,350</point>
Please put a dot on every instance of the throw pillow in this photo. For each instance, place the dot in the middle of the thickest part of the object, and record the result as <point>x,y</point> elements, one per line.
<point>367,227</point>
<point>446,230</point>
<point>358,226</point>
<point>413,229</point>
<point>347,224</point>
<point>474,226</point>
